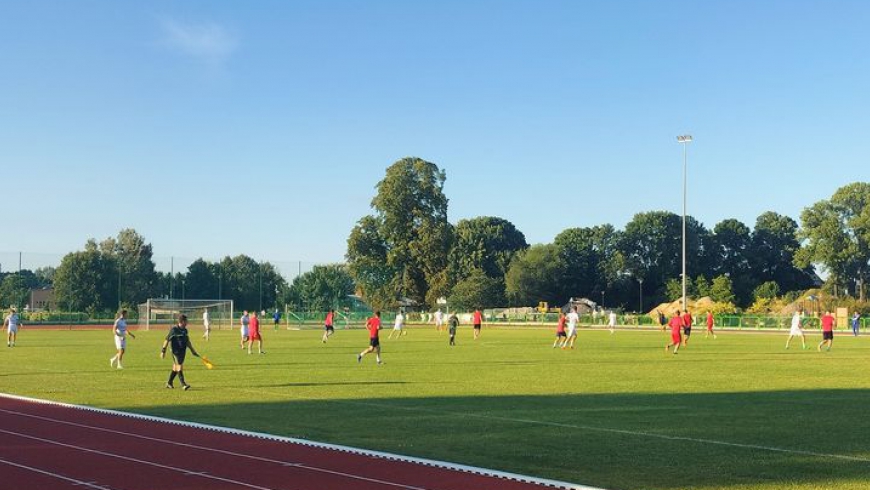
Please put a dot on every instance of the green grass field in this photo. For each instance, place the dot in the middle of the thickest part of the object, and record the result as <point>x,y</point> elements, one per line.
<point>739,412</point>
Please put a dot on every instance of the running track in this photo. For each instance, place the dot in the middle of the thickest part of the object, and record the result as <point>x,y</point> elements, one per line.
<point>52,446</point>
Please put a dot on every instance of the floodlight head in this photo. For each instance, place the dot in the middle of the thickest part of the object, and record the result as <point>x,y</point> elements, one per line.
<point>685,138</point>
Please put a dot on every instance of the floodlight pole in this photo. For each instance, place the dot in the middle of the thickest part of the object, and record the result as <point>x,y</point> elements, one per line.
<point>640,307</point>
<point>684,140</point>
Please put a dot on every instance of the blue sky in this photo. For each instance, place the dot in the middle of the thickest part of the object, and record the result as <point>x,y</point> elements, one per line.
<point>220,127</point>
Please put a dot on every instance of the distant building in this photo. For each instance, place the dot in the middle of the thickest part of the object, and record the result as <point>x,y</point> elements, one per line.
<point>42,299</point>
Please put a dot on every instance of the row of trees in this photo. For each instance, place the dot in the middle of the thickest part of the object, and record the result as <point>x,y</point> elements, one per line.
<point>407,251</point>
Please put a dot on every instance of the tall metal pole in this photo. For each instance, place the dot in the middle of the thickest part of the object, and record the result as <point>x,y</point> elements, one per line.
<point>640,308</point>
<point>684,139</point>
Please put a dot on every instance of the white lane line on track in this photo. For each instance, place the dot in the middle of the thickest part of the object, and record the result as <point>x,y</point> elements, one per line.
<point>544,482</point>
<point>214,450</point>
<point>55,475</point>
<point>614,431</point>
<point>135,460</point>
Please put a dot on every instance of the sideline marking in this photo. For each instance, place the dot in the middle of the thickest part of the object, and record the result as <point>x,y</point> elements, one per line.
<point>601,429</point>
<point>302,442</point>
<point>55,475</point>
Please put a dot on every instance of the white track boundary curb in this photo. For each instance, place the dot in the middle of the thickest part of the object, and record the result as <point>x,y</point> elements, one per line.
<point>320,445</point>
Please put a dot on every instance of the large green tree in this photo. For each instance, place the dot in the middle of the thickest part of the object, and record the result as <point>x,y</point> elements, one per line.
<point>837,237</point>
<point>133,258</point>
<point>651,246</point>
<point>534,276</point>
<point>14,291</point>
<point>732,241</point>
<point>402,250</point>
<point>485,243</point>
<point>87,281</point>
<point>589,261</point>
<point>774,245</point>
<point>321,288</point>
<point>477,290</point>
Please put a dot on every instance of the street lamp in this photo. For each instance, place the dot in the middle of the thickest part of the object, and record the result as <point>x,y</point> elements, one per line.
<point>684,140</point>
<point>640,308</point>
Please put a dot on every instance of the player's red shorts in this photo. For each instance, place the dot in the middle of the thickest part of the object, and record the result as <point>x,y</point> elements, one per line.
<point>675,337</point>
<point>255,335</point>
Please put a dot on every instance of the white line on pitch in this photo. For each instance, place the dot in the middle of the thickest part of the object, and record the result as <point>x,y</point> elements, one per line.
<point>55,475</point>
<point>607,429</point>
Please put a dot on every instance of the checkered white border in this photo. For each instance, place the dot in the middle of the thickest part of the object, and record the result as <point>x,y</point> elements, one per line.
<point>321,445</point>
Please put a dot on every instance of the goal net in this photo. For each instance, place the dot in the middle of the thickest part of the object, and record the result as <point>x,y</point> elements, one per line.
<point>158,313</point>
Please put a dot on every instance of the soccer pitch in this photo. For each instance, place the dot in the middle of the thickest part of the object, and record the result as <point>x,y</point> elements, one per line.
<point>738,412</point>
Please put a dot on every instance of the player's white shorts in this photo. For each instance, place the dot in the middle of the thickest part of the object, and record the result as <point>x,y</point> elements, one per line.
<point>12,329</point>
<point>207,326</point>
<point>572,331</point>
<point>397,327</point>
<point>795,331</point>
<point>120,342</point>
<point>244,331</point>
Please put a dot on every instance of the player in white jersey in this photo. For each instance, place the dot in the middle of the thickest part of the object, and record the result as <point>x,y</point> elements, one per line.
<point>206,324</point>
<point>439,320</point>
<point>11,322</point>
<point>398,325</point>
<point>573,320</point>
<point>120,331</point>
<point>796,329</point>
<point>611,321</point>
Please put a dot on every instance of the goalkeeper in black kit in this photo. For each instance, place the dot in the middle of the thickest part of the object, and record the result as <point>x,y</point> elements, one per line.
<point>179,342</point>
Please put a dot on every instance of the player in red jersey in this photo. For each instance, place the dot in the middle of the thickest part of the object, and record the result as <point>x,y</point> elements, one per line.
<point>561,336</point>
<point>328,328</point>
<point>828,322</point>
<point>254,334</point>
<point>676,324</point>
<point>687,326</point>
<point>373,325</point>
<point>477,321</point>
<point>710,322</point>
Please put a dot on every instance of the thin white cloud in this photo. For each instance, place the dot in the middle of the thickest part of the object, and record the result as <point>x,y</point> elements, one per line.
<point>208,42</point>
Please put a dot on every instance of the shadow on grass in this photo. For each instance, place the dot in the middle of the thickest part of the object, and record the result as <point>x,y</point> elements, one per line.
<point>795,439</point>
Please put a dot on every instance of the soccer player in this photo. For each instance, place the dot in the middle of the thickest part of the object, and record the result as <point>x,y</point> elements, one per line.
<point>276,317</point>
<point>676,324</point>
<point>573,319</point>
<point>179,341</point>
<point>12,323</point>
<point>477,322</point>
<point>373,325</point>
<point>254,334</point>
<point>828,322</point>
<point>611,321</point>
<point>120,331</point>
<point>439,320</point>
<point>561,336</point>
<point>856,323</point>
<point>244,329</point>
<point>452,323</point>
<point>796,330</point>
<point>398,325</point>
<point>206,324</point>
<point>710,322</point>
<point>328,328</point>
<point>687,327</point>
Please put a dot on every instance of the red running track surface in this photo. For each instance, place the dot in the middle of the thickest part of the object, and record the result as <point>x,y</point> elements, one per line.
<point>46,446</point>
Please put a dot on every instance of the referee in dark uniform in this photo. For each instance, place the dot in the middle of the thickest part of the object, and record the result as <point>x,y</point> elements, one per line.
<point>179,342</point>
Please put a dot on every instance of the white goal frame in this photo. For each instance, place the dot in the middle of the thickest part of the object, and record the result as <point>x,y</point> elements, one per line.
<point>164,311</point>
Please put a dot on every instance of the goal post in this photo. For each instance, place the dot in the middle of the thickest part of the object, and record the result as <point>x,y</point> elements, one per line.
<point>156,312</point>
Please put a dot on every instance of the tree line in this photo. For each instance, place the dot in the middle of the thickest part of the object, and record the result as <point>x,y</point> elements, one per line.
<point>406,252</point>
